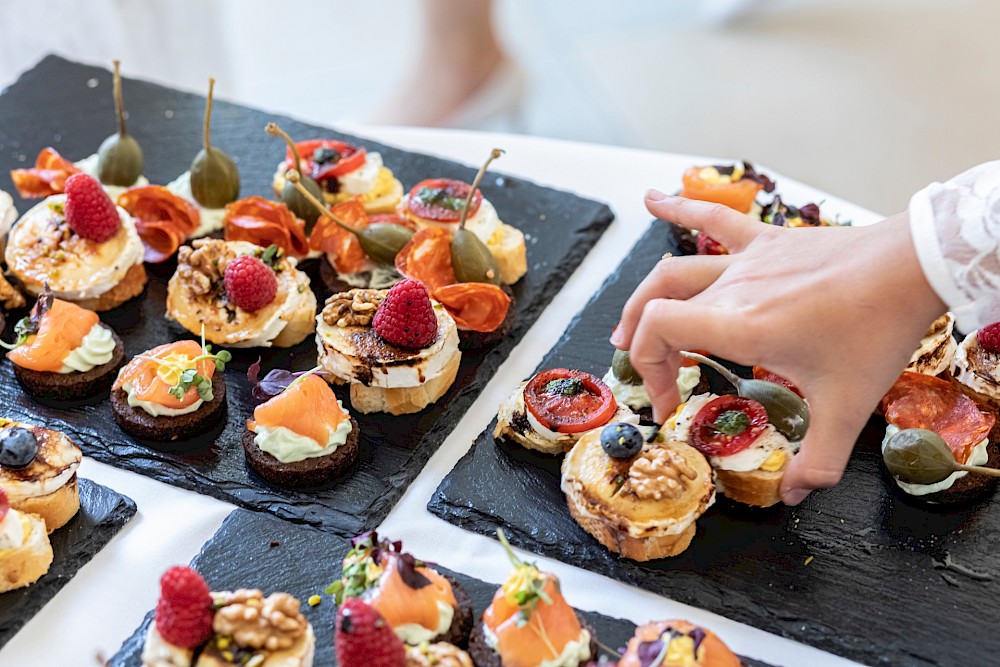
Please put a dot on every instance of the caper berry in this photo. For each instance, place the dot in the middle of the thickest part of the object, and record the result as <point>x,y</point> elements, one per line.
<point>918,456</point>
<point>382,241</point>
<point>472,260</point>
<point>301,206</point>
<point>621,366</point>
<point>215,180</point>
<point>119,159</point>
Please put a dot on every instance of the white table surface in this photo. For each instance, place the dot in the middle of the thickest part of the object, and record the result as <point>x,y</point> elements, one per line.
<point>108,598</point>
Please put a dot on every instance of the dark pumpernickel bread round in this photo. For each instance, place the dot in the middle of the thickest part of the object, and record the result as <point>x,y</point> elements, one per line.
<point>304,474</point>
<point>483,656</point>
<point>140,424</point>
<point>461,622</point>
<point>73,386</point>
<point>474,340</point>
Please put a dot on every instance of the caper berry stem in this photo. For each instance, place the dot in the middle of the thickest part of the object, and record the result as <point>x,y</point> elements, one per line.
<point>979,470</point>
<point>275,131</point>
<point>119,103</point>
<point>207,138</point>
<point>295,179</point>
<point>711,363</point>
<point>494,154</point>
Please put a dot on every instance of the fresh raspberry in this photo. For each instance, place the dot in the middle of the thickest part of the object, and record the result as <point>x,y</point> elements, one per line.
<point>989,337</point>
<point>89,210</point>
<point>4,504</point>
<point>184,613</point>
<point>709,246</point>
<point>250,283</point>
<point>364,639</point>
<point>406,317</point>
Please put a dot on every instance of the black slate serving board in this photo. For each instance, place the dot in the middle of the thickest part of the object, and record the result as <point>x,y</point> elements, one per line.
<point>103,512</point>
<point>857,570</point>
<point>53,104</point>
<point>252,550</point>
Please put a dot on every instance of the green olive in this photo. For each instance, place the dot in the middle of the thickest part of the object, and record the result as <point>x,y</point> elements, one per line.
<point>621,366</point>
<point>786,410</point>
<point>215,180</point>
<point>119,160</point>
<point>382,241</point>
<point>472,260</point>
<point>299,205</point>
<point>918,456</point>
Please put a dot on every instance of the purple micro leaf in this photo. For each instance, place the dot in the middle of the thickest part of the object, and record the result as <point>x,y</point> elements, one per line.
<point>253,373</point>
<point>409,574</point>
<point>810,214</point>
<point>725,169</point>
<point>698,636</point>
<point>275,382</point>
<point>750,173</point>
<point>651,653</point>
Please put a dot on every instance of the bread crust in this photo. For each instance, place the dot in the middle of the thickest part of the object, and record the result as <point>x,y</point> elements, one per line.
<point>758,488</point>
<point>131,286</point>
<point>404,400</point>
<point>56,508</point>
<point>511,254</point>
<point>26,564</point>
<point>620,542</point>
<point>301,325</point>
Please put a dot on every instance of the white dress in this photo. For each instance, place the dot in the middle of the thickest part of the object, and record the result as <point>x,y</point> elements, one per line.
<point>956,232</point>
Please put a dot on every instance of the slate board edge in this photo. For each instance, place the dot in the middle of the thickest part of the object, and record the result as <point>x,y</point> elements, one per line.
<point>132,646</point>
<point>379,507</point>
<point>53,582</point>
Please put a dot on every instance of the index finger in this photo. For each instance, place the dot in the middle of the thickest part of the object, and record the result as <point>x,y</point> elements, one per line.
<point>729,227</point>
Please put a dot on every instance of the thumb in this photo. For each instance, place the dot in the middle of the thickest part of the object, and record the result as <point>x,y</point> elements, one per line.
<point>825,451</point>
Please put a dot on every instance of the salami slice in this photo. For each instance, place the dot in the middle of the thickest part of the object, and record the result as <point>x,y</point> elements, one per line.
<point>162,219</point>
<point>427,258</point>
<point>46,178</point>
<point>478,307</point>
<point>264,222</point>
<point>342,247</point>
<point>925,401</point>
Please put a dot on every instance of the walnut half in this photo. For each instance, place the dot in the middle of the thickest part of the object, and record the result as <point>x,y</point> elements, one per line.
<point>355,308</point>
<point>437,655</point>
<point>255,622</point>
<point>659,473</point>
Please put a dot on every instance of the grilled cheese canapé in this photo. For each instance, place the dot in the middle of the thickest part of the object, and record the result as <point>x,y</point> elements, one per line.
<point>43,250</point>
<point>39,475</point>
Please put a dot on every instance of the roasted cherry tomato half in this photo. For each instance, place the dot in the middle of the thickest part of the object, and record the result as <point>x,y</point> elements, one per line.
<point>727,425</point>
<point>336,158</point>
<point>709,246</point>
<point>442,199</point>
<point>568,401</point>
<point>761,373</point>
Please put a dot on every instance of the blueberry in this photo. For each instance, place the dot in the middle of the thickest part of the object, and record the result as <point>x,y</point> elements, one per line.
<point>18,448</point>
<point>621,440</point>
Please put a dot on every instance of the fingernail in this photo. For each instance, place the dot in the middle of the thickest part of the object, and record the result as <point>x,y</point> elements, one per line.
<point>655,195</point>
<point>617,336</point>
<point>794,496</point>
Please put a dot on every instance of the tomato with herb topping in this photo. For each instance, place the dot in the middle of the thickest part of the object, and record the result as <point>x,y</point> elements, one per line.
<point>727,425</point>
<point>323,159</point>
<point>567,401</point>
<point>761,373</point>
<point>442,199</point>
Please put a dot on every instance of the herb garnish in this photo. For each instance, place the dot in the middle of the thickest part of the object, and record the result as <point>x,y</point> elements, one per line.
<point>271,255</point>
<point>29,325</point>
<point>363,567</point>
<point>441,197</point>
<point>564,386</point>
<point>526,587</point>
<point>732,422</point>
<point>189,377</point>
<point>325,155</point>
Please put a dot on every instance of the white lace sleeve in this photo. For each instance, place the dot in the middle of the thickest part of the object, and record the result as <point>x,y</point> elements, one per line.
<point>956,231</point>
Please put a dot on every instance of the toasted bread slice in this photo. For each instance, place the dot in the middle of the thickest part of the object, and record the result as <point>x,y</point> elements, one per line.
<point>56,508</point>
<point>404,400</point>
<point>131,286</point>
<point>759,488</point>
<point>509,250</point>
<point>27,563</point>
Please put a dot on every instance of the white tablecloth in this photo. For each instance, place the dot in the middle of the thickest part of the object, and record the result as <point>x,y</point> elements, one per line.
<point>108,598</point>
